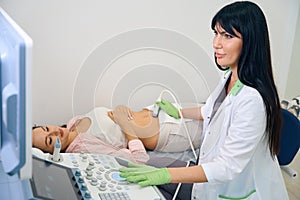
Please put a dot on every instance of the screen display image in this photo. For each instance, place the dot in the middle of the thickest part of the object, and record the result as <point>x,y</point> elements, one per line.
<point>52,181</point>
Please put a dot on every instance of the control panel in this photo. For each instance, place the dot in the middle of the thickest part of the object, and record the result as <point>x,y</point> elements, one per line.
<point>97,177</point>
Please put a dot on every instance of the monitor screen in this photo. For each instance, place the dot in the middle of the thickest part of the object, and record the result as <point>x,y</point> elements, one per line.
<point>53,181</point>
<point>15,82</point>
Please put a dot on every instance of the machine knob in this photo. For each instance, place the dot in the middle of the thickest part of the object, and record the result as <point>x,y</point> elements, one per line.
<point>81,153</point>
<point>87,194</point>
<point>77,172</point>
<point>102,187</point>
<point>89,168</point>
<point>83,187</point>
<point>80,179</point>
<point>89,173</point>
<point>94,182</point>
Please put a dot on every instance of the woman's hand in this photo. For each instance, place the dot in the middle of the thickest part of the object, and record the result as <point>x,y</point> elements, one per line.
<point>122,111</point>
<point>123,116</point>
<point>111,116</point>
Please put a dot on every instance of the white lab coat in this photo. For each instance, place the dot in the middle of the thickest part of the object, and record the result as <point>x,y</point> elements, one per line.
<point>234,153</point>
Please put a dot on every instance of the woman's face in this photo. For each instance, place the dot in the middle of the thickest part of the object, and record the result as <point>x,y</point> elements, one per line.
<point>44,137</point>
<point>227,47</point>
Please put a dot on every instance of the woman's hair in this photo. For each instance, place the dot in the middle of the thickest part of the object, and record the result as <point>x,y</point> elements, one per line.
<point>254,66</point>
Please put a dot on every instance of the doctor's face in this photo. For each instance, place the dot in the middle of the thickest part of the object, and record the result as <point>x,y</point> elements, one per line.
<point>227,47</point>
<point>44,137</point>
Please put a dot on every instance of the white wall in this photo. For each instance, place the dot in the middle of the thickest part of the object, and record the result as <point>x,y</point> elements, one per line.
<point>293,83</point>
<point>69,36</point>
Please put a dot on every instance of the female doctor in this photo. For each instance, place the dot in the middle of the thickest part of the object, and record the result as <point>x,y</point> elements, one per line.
<point>241,119</point>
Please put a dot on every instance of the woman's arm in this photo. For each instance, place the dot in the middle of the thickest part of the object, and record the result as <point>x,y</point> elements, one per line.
<point>192,113</point>
<point>137,125</point>
<point>137,151</point>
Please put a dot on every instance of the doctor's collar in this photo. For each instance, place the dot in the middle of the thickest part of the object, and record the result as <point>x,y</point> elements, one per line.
<point>237,86</point>
<point>227,71</point>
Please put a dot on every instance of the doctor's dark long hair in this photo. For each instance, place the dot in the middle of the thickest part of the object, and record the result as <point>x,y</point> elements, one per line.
<point>254,66</point>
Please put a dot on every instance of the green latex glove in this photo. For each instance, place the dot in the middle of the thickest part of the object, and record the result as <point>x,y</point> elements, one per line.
<point>169,108</point>
<point>145,175</point>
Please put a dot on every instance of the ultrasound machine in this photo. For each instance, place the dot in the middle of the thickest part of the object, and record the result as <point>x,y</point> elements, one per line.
<point>26,173</point>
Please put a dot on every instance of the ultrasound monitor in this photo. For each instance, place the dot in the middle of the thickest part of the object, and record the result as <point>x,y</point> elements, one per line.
<point>15,82</point>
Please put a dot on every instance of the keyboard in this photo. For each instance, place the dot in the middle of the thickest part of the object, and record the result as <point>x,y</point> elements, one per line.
<point>98,177</point>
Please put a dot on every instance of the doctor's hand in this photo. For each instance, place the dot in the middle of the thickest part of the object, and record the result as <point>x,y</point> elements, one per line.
<point>169,108</point>
<point>145,175</point>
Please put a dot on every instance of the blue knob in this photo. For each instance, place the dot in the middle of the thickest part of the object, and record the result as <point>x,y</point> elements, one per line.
<point>87,194</point>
